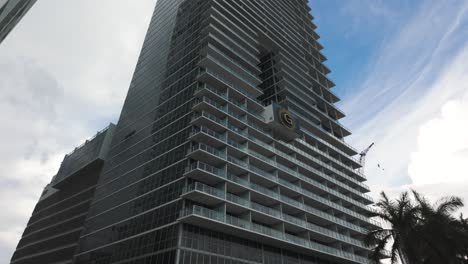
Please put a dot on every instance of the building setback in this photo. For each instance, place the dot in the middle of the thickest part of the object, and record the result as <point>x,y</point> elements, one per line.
<point>11,12</point>
<point>54,228</point>
<point>229,147</point>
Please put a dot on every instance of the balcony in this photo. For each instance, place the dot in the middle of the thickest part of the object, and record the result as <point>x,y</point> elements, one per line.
<point>273,215</point>
<point>209,76</point>
<point>230,75</point>
<point>204,194</point>
<point>305,166</point>
<point>269,164</point>
<point>233,63</point>
<point>216,220</point>
<point>207,173</point>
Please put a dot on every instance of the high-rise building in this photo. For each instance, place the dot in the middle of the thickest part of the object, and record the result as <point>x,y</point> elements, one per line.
<point>229,147</point>
<point>11,12</point>
<point>54,228</point>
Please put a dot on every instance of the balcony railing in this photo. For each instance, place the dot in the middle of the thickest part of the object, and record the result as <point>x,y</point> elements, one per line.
<point>274,195</point>
<point>315,197</point>
<point>267,231</point>
<point>231,85</point>
<point>198,186</point>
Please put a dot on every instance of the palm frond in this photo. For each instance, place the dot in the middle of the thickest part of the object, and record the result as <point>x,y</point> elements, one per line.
<point>449,205</point>
<point>379,249</point>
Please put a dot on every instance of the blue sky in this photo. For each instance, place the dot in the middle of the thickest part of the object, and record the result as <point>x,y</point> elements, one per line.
<point>392,62</point>
<point>353,32</point>
<point>400,67</point>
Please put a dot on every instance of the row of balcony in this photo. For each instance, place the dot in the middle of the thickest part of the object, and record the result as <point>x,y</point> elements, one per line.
<point>323,153</point>
<point>277,214</point>
<point>216,34</point>
<point>243,92</point>
<point>230,84</point>
<point>324,117</point>
<point>339,151</point>
<point>250,84</point>
<point>221,173</point>
<point>289,84</point>
<point>282,167</point>
<point>228,49</point>
<point>270,232</point>
<point>285,46</point>
<point>329,167</point>
<point>300,176</point>
<point>274,178</point>
<point>305,154</point>
<point>225,108</point>
<point>250,39</point>
<point>360,175</point>
<point>217,51</point>
<point>333,106</point>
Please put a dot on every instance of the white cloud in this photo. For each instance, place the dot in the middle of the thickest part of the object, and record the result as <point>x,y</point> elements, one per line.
<point>419,70</point>
<point>397,128</point>
<point>442,154</point>
<point>64,73</point>
<point>63,77</point>
<point>413,105</point>
<point>414,53</point>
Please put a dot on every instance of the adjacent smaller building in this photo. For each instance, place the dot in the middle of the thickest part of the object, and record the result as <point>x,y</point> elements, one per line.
<point>55,226</point>
<point>11,12</point>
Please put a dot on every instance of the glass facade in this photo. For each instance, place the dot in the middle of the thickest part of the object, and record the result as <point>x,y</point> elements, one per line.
<point>229,147</point>
<point>133,217</point>
<point>11,12</point>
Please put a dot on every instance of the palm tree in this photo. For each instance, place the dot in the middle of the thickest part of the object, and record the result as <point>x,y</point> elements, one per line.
<point>463,226</point>
<point>443,238</point>
<point>419,232</point>
<point>402,217</point>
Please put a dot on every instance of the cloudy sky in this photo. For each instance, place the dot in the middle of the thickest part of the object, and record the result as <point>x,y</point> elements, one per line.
<point>400,67</point>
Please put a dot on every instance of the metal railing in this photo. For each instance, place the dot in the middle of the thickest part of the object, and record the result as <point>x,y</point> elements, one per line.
<point>315,197</point>
<point>276,234</point>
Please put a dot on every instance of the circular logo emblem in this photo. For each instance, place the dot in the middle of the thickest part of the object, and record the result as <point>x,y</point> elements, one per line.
<point>286,119</point>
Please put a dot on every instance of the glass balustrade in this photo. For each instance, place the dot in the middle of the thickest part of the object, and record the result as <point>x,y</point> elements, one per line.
<point>209,149</point>
<point>264,190</point>
<point>208,168</point>
<point>273,194</point>
<point>253,85</point>
<point>232,86</point>
<point>198,186</point>
<point>268,231</point>
<point>212,89</point>
<point>235,34</point>
<point>212,133</point>
<point>247,60</point>
<point>237,161</point>
<point>228,110</point>
<point>325,154</point>
<point>238,200</point>
<point>263,173</point>
<point>238,104</point>
<point>237,179</point>
<point>265,209</point>
<point>226,57</point>
<point>320,153</point>
<point>318,198</point>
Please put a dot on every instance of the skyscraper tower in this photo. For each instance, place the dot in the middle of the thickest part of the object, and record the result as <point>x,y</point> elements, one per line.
<point>229,147</point>
<point>11,12</point>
